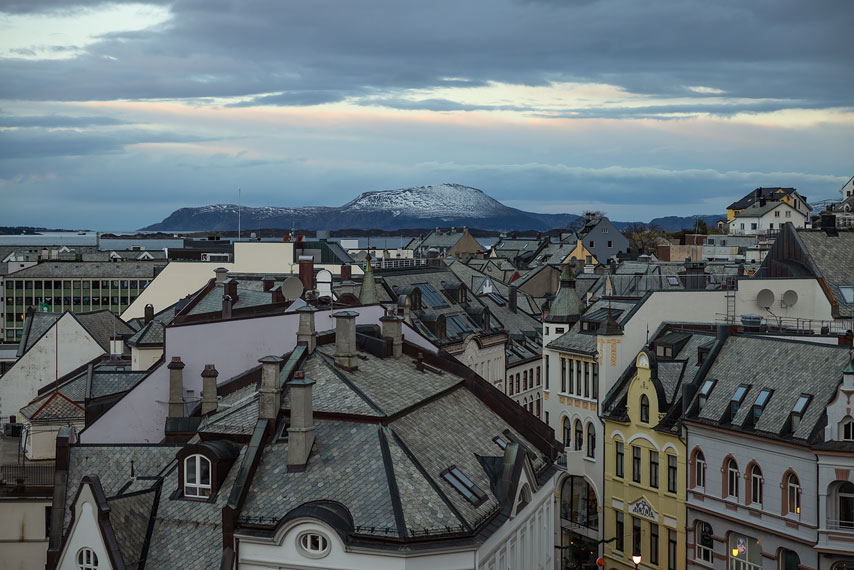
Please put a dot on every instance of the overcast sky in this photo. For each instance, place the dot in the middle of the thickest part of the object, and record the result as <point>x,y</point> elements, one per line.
<point>112,115</point>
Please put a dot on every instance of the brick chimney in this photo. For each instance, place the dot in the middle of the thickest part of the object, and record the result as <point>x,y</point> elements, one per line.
<point>392,327</point>
<point>230,289</point>
<point>221,274</point>
<point>226,307</point>
<point>209,399</point>
<point>301,430</point>
<point>270,395</point>
<point>176,388</point>
<point>306,334</point>
<point>346,273</point>
<point>268,283</point>
<point>149,313</point>
<point>345,340</point>
<point>306,272</point>
<point>277,296</point>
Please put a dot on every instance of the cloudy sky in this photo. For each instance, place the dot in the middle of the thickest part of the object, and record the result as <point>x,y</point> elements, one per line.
<point>112,115</point>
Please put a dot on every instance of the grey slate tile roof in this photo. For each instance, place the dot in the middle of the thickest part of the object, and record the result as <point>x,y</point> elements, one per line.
<point>212,301</point>
<point>41,323</point>
<point>74,389</point>
<point>129,517</point>
<point>107,382</point>
<point>834,257</point>
<point>54,408</point>
<point>102,325</point>
<point>575,339</point>
<point>151,334</point>
<point>238,420</point>
<point>789,367</point>
<point>89,270</point>
<point>346,465</point>
<point>331,393</point>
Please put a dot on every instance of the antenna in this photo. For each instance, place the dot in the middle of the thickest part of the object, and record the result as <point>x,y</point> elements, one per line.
<point>238,214</point>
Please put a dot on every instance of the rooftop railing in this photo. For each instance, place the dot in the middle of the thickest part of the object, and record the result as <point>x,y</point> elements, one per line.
<point>14,474</point>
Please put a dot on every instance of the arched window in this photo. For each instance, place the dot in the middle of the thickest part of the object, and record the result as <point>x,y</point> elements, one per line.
<point>525,380</point>
<point>789,560</point>
<point>579,435</point>
<point>538,406</point>
<point>197,476</point>
<point>87,559</point>
<point>732,479</point>
<point>510,386</point>
<point>313,544</point>
<point>704,541</point>
<point>699,470</point>
<point>846,429</point>
<point>591,440</point>
<point>518,383</point>
<point>843,507</point>
<point>792,487</point>
<point>567,432</point>
<point>524,497</point>
<point>644,409</point>
<point>578,503</point>
<point>757,484</point>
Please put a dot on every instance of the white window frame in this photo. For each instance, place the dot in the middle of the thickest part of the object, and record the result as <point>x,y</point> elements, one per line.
<point>700,472</point>
<point>313,544</point>
<point>197,487</point>
<point>846,424</point>
<point>703,553</point>
<point>793,490</point>
<point>756,482</point>
<point>87,559</point>
<point>733,477</point>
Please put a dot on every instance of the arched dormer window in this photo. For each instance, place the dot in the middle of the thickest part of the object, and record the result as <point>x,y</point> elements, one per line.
<point>579,435</point>
<point>792,489</point>
<point>197,476</point>
<point>87,559</point>
<point>644,409</point>
<point>846,429</point>
<point>524,498</point>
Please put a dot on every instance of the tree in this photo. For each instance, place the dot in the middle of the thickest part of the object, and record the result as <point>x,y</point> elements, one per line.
<point>643,238</point>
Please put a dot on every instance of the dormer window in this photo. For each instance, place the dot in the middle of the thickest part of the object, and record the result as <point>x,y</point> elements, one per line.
<point>87,559</point>
<point>313,544</point>
<point>735,403</point>
<point>759,404</point>
<point>846,429</point>
<point>798,410</point>
<point>847,293</point>
<point>197,476</point>
<point>464,486</point>
<point>500,442</point>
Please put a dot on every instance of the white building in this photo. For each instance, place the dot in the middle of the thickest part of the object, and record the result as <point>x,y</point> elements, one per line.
<point>766,218</point>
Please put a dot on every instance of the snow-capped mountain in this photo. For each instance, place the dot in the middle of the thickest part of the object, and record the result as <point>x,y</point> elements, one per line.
<point>420,207</point>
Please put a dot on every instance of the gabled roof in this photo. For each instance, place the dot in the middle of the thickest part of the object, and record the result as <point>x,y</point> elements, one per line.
<point>55,407</point>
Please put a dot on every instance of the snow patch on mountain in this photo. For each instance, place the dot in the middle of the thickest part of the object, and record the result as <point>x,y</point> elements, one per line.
<point>436,201</point>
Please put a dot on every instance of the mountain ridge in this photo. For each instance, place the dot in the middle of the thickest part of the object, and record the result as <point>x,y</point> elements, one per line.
<point>415,207</point>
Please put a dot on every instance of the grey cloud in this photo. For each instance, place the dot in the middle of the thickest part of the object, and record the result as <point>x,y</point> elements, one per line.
<point>435,105</point>
<point>295,99</point>
<point>784,49</point>
<point>57,121</point>
<point>40,143</point>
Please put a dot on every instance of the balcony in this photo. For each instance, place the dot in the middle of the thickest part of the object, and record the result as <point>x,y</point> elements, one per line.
<point>840,525</point>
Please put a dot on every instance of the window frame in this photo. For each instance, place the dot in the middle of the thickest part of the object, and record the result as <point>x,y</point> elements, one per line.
<point>757,485</point>
<point>591,440</point>
<point>636,464</point>
<point>304,546</point>
<point>644,409</point>
<point>199,486</point>
<point>620,458</point>
<point>732,480</point>
<point>84,563</point>
<point>702,552</point>
<point>653,468</point>
<point>579,435</point>
<point>793,494</point>
<point>699,470</point>
<point>672,473</point>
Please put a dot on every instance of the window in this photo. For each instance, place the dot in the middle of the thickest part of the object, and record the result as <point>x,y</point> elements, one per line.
<point>636,535</point>
<point>636,464</point>
<point>500,442</point>
<point>847,293</point>
<point>579,435</point>
<point>464,486</point>
<point>563,375</point>
<point>705,390</point>
<point>776,213</point>
<point>644,409</point>
<point>571,388</point>
<point>591,441</point>
<point>87,559</point>
<point>789,560</point>
<point>744,553</point>
<point>700,470</point>
<point>759,404</point>
<point>793,495</point>
<point>525,380</point>
<point>788,214</point>
<point>539,381</point>
<point>595,381</point>
<point>619,532</point>
<point>732,479</point>
<point>313,544</point>
<point>671,549</point>
<point>653,543</point>
<point>578,502</point>
<point>846,429</point>
<point>756,485</point>
<point>672,472</point>
<point>591,243</point>
<point>610,244</point>
<point>620,458</point>
<point>653,468</point>
<point>567,432</point>
<point>586,380</point>
<point>735,403</point>
<point>197,476</point>
<point>704,541</point>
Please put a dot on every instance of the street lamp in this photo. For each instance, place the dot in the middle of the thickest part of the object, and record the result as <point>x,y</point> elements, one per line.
<point>636,558</point>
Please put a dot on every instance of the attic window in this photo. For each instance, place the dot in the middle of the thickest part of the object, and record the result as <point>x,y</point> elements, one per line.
<point>801,404</point>
<point>847,293</point>
<point>464,485</point>
<point>705,389</point>
<point>759,404</point>
<point>672,280</point>
<point>313,544</point>
<point>197,476</point>
<point>431,296</point>
<point>501,443</point>
<point>87,559</point>
<point>735,403</point>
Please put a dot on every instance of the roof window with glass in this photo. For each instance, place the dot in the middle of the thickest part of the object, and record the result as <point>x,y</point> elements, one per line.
<point>759,404</point>
<point>705,390</point>
<point>464,486</point>
<point>737,398</point>
<point>847,293</point>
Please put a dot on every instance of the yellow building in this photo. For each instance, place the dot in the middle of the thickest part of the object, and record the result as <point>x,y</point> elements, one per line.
<point>645,461</point>
<point>582,253</point>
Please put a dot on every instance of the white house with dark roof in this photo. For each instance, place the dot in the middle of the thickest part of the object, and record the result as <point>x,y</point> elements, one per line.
<point>766,218</point>
<point>755,431</point>
<point>357,448</point>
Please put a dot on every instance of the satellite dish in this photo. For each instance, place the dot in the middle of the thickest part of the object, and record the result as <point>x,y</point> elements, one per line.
<point>765,299</point>
<point>790,297</point>
<point>324,283</point>
<point>292,288</point>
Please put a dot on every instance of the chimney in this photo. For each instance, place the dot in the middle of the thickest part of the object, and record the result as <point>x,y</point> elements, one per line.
<point>117,347</point>
<point>345,340</point>
<point>306,272</point>
<point>209,400</point>
<point>277,296</point>
<point>176,388</point>
<point>301,430</point>
<point>347,287</point>
<point>828,224</point>
<point>270,394</point>
<point>226,307</point>
<point>846,339</point>
<point>419,364</point>
<point>306,334</point>
<point>268,283</point>
<point>346,273</point>
<point>221,274</point>
<point>149,313</point>
<point>513,295</point>
<point>230,289</point>
<point>392,327</point>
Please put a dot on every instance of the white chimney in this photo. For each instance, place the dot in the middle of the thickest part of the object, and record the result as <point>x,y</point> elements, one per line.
<point>345,339</point>
<point>301,429</point>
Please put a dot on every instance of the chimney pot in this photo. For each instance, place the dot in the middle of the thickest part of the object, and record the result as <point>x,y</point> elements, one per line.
<point>301,430</point>
<point>149,313</point>
<point>226,307</point>
<point>345,339</point>
<point>306,272</point>
<point>392,327</point>
<point>209,399</point>
<point>419,366</point>
<point>346,273</point>
<point>306,333</point>
<point>176,388</point>
<point>221,274</point>
<point>270,393</point>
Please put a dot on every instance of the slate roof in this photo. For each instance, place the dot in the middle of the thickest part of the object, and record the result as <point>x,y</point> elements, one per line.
<point>106,382</point>
<point>756,211</point>
<point>102,325</point>
<point>789,367</point>
<point>130,516</point>
<point>474,279</point>
<point>577,340</point>
<point>766,193</point>
<point>40,323</point>
<point>54,407</point>
<point>834,256</point>
<point>212,301</point>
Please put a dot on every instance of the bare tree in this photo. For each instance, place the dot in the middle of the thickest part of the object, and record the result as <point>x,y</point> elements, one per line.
<point>643,238</point>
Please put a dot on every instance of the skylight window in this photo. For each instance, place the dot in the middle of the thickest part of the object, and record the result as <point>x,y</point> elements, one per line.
<point>672,280</point>
<point>762,398</point>
<point>501,443</point>
<point>735,403</point>
<point>847,293</point>
<point>432,297</point>
<point>464,486</point>
<point>801,404</point>
<point>497,299</point>
<point>705,389</point>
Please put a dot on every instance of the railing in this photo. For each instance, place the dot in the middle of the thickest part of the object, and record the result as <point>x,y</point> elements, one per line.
<point>846,525</point>
<point>398,263</point>
<point>794,325</point>
<point>26,474</point>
